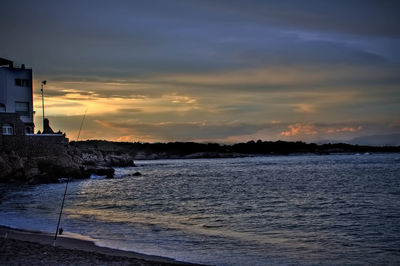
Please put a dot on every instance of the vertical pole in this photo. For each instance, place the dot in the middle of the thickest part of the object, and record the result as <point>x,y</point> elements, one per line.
<point>43,106</point>
<point>62,206</point>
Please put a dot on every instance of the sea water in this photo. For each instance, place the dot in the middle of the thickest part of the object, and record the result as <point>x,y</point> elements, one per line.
<point>309,209</point>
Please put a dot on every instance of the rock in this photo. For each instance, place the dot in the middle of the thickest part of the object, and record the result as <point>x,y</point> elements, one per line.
<point>30,173</point>
<point>92,158</point>
<point>68,162</point>
<point>122,160</point>
<point>100,170</point>
<point>5,168</point>
<point>136,174</point>
<point>11,167</point>
<point>59,166</point>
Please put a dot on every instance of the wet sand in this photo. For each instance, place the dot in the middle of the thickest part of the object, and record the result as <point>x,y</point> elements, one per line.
<point>19,247</point>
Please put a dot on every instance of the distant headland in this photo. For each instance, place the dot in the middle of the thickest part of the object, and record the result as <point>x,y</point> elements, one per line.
<point>187,150</point>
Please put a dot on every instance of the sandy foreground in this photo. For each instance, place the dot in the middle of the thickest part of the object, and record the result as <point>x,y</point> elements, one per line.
<point>19,247</point>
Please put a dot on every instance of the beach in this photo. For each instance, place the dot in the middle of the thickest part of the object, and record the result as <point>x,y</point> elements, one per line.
<point>20,247</point>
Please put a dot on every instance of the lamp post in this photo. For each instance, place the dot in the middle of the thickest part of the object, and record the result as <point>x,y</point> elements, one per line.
<point>43,83</point>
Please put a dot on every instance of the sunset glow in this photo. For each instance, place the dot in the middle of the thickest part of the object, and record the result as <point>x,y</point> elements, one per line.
<point>211,71</point>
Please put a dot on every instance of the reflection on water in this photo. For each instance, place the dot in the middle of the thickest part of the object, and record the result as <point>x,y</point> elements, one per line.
<point>342,209</point>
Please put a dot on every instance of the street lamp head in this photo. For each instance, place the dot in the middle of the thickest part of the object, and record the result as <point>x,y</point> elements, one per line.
<point>44,82</point>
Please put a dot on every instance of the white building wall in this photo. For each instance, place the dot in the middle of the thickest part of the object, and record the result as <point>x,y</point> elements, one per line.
<point>10,93</point>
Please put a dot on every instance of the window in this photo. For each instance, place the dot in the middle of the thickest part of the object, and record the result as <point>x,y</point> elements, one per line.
<point>8,129</point>
<point>22,82</point>
<point>2,107</point>
<point>22,107</point>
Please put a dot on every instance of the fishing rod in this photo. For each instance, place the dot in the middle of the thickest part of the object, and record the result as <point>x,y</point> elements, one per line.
<point>80,128</point>
<point>62,206</point>
<point>58,230</point>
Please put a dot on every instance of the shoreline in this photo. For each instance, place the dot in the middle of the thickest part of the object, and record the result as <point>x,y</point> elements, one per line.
<point>23,247</point>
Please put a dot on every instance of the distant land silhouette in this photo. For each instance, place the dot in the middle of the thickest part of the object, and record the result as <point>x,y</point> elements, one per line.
<point>377,140</point>
<point>214,150</point>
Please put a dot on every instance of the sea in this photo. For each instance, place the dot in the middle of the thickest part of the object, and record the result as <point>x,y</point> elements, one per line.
<point>272,210</point>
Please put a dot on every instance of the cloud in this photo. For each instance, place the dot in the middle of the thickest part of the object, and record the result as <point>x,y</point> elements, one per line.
<point>204,70</point>
<point>344,129</point>
<point>240,97</point>
<point>116,128</point>
<point>323,131</point>
<point>290,77</point>
<point>178,99</point>
<point>350,16</point>
<point>299,129</point>
<point>130,110</point>
<point>305,108</point>
<point>178,39</point>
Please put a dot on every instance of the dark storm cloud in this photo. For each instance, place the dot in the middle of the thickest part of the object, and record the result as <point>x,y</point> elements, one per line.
<point>144,38</point>
<point>291,78</point>
<point>361,17</point>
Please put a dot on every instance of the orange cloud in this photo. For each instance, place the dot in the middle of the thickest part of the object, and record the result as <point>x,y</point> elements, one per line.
<point>126,139</point>
<point>344,129</point>
<point>300,129</point>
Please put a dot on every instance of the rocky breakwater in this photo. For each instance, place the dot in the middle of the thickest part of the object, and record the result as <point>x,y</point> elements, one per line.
<point>101,163</point>
<point>68,162</point>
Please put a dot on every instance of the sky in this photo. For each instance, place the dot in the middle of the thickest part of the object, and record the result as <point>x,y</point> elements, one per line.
<point>210,70</point>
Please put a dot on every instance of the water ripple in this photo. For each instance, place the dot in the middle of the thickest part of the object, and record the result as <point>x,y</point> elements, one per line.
<point>245,211</point>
